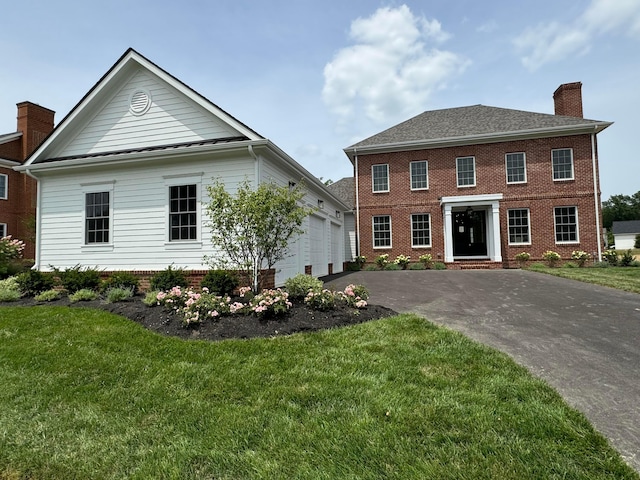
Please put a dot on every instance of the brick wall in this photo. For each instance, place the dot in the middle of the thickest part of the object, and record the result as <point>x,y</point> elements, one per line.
<point>540,194</point>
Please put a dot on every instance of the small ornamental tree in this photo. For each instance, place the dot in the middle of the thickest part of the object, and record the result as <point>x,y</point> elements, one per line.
<point>252,228</point>
<point>10,249</point>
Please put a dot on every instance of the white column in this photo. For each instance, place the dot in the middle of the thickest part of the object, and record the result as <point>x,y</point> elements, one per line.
<point>448,234</point>
<point>496,254</point>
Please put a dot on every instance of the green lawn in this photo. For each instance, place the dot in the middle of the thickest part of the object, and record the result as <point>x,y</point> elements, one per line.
<point>89,395</point>
<point>622,278</point>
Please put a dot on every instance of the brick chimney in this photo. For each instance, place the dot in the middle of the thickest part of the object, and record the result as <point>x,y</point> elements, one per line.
<point>35,123</point>
<point>567,99</point>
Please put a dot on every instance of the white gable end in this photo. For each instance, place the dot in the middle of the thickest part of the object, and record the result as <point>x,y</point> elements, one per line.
<point>145,112</point>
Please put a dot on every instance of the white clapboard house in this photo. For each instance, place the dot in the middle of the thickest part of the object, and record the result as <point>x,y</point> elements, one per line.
<point>122,179</point>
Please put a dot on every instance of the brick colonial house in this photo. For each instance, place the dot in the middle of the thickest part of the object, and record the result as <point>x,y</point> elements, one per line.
<point>474,186</point>
<point>18,191</point>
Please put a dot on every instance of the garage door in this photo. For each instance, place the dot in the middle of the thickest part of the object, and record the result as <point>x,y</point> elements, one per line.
<point>318,247</point>
<point>291,265</point>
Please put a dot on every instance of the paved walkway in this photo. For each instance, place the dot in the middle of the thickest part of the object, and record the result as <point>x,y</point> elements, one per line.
<point>582,339</point>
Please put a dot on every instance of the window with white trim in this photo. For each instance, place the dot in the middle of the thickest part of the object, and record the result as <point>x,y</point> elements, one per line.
<point>566,224</point>
<point>562,162</point>
<point>518,219</point>
<point>516,166</point>
<point>3,230</point>
<point>97,217</point>
<point>4,186</point>
<point>466,171</point>
<point>183,212</point>
<point>381,231</point>
<point>420,230</point>
<point>419,175</point>
<point>380,178</point>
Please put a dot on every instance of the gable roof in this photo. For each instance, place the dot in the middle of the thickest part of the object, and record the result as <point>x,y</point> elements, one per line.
<point>103,91</point>
<point>473,124</point>
<point>627,226</point>
<point>344,189</point>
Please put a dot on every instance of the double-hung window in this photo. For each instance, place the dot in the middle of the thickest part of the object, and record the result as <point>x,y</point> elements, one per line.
<point>420,230</point>
<point>466,171</point>
<point>566,224</point>
<point>519,226</point>
<point>516,167</point>
<point>380,178</point>
<point>97,217</point>
<point>3,230</point>
<point>183,212</point>
<point>4,186</point>
<point>419,175</point>
<point>382,231</point>
<point>562,162</point>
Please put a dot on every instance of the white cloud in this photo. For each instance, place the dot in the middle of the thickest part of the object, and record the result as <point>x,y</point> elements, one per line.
<point>488,27</point>
<point>390,71</point>
<point>553,41</point>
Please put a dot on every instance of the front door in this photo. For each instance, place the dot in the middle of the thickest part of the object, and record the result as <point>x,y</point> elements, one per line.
<point>469,233</point>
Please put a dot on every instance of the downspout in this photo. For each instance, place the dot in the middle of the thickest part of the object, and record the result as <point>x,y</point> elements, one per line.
<point>36,266</point>
<point>595,195</point>
<point>256,267</point>
<point>355,152</point>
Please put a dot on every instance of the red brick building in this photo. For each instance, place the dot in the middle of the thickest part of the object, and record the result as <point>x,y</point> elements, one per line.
<point>478,185</point>
<point>18,191</point>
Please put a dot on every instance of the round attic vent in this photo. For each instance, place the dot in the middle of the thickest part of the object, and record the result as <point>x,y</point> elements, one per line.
<point>139,102</point>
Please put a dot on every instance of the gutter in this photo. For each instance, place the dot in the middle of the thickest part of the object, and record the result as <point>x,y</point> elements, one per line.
<point>357,203</point>
<point>36,265</point>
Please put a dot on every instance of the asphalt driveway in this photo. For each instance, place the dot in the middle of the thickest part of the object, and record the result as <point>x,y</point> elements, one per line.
<point>582,339</point>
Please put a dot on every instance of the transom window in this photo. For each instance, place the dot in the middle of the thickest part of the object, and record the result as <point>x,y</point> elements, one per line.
<point>380,176</point>
<point>562,160</point>
<point>382,231</point>
<point>518,226</point>
<point>420,230</point>
<point>3,186</point>
<point>516,168</point>
<point>97,217</point>
<point>419,175</point>
<point>183,212</point>
<point>466,171</point>
<point>566,223</point>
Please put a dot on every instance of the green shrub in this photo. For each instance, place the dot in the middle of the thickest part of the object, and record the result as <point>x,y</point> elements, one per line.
<point>601,264</point>
<point>168,278</point>
<point>8,294</point>
<point>320,300</point>
<point>439,266</point>
<point>48,296</point>
<point>522,258</point>
<point>637,242</point>
<point>580,257</point>
<point>124,280</point>
<point>10,283</point>
<point>33,282</point>
<point>570,265</point>
<point>299,286</point>
<point>371,268</point>
<point>83,295</point>
<point>417,266</point>
<point>151,298</point>
<point>626,259</point>
<point>402,261</point>
<point>392,266</point>
<point>382,260</point>
<point>77,278</point>
<point>119,294</point>
<point>611,256</point>
<point>220,282</point>
<point>552,258</point>
<point>426,260</point>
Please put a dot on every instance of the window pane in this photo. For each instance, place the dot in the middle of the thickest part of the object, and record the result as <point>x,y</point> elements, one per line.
<point>382,231</point>
<point>515,168</point>
<point>420,230</point>
<point>466,171</point>
<point>562,164</point>
<point>419,175</point>
<point>97,217</point>
<point>380,178</point>
<point>566,223</point>
<point>182,212</point>
<point>518,225</point>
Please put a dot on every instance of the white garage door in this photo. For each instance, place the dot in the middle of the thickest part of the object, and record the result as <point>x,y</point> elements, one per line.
<point>336,248</point>
<point>318,246</point>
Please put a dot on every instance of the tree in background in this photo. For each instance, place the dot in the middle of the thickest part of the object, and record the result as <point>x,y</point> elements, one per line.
<point>253,227</point>
<point>620,208</point>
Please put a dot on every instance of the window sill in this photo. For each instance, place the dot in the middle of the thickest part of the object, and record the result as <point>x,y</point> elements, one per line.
<point>183,245</point>
<point>577,242</point>
<point>520,244</point>
<point>563,179</point>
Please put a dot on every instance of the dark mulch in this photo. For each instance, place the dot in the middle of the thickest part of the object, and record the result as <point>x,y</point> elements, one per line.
<point>298,319</point>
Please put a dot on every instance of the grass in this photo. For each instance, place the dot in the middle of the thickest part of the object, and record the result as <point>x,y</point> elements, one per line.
<point>622,278</point>
<point>87,394</point>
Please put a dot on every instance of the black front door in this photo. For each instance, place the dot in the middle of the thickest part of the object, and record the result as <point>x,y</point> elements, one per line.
<point>469,233</point>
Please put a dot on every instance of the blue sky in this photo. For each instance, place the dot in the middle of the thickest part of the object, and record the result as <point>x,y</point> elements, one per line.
<point>316,77</point>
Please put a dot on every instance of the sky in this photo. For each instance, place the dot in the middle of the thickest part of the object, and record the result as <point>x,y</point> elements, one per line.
<point>318,76</point>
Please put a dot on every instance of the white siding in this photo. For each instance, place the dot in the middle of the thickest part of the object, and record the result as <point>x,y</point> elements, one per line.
<point>172,118</point>
<point>625,241</point>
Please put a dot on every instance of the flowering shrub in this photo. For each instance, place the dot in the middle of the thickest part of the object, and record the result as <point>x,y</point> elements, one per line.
<point>552,258</point>
<point>360,260</point>
<point>355,295</point>
<point>270,303</point>
<point>300,285</point>
<point>580,257</point>
<point>426,260</point>
<point>611,257</point>
<point>382,261</point>
<point>522,258</point>
<point>321,300</point>
<point>10,249</point>
<point>402,261</point>
<point>199,306</point>
<point>171,299</point>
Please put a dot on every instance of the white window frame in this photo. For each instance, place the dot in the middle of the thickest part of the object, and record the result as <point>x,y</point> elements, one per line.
<point>555,226</point>
<point>3,230</point>
<point>553,167</point>
<point>373,232</point>
<point>524,166</point>
<point>373,177</point>
<point>102,187</point>
<point>5,179</point>
<point>515,226</point>
<point>473,162</point>
<point>177,181</point>
<point>426,174</point>
<point>428,244</point>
